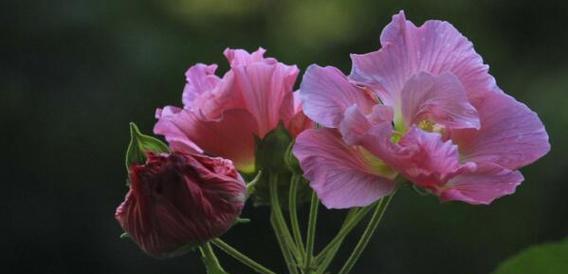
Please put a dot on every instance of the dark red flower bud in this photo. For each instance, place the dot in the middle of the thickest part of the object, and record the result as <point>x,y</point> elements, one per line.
<point>176,200</point>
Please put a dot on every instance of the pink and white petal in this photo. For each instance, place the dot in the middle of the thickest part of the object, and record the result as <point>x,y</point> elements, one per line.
<point>433,161</point>
<point>327,93</point>
<point>435,47</point>
<point>231,136</point>
<point>338,173</point>
<point>481,185</point>
<point>511,135</point>
<point>441,99</point>
<point>265,92</point>
<point>200,79</point>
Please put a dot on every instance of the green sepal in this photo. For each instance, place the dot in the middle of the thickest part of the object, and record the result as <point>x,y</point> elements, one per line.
<point>271,154</point>
<point>251,186</point>
<point>242,221</point>
<point>419,190</point>
<point>124,236</point>
<point>271,150</point>
<point>140,145</point>
<point>291,161</point>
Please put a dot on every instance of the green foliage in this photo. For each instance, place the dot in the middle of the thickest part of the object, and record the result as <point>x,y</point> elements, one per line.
<point>542,259</point>
<point>141,144</point>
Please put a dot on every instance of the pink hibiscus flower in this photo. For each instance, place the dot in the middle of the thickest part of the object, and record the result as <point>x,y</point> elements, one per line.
<point>423,106</point>
<point>222,116</point>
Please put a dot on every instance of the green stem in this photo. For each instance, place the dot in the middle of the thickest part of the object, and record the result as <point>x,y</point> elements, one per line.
<point>241,257</point>
<point>281,231</point>
<point>290,264</point>
<point>325,261</point>
<point>367,234</point>
<point>312,221</point>
<point>209,257</point>
<point>292,207</point>
<point>352,220</point>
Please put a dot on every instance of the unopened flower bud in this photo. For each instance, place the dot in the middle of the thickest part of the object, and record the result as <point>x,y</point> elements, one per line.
<point>179,200</point>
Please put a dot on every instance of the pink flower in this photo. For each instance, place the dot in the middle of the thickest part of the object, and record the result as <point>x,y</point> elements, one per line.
<point>177,200</point>
<point>221,116</point>
<point>423,106</point>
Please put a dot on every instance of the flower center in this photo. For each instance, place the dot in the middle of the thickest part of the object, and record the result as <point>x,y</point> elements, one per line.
<point>429,126</point>
<point>376,164</point>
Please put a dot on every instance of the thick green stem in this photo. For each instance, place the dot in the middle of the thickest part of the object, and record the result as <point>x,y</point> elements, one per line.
<point>311,234</point>
<point>292,207</point>
<point>241,257</point>
<point>367,234</point>
<point>209,257</point>
<point>289,249</point>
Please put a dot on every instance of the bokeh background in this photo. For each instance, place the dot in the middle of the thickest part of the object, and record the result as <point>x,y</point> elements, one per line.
<point>74,73</point>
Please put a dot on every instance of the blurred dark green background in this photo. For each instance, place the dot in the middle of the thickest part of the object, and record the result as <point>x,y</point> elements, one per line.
<point>74,73</point>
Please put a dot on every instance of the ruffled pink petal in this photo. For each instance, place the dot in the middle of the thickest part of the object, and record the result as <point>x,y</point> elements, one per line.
<point>355,124</point>
<point>435,47</point>
<point>327,93</point>
<point>422,157</point>
<point>238,57</point>
<point>200,79</point>
<point>481,185</point>
<point>265,90</point>
<point>340,174</point>
<point>231,136</point>
<point>440,99</point>
<point>433,161</point>
<point>511,135</point>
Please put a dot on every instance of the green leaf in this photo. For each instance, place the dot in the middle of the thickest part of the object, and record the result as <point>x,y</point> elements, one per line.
<point>141,144</point>
<point>549,258</point>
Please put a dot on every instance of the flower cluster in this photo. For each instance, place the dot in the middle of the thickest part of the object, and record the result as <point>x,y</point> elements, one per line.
<point>423,108</point>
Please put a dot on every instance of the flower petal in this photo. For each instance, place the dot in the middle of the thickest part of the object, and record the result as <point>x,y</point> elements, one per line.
<point>422,157</point>
<point>511,135</point>
<point>435,47</point>
<point>265,89</point>
<point>340,174</point>
<point>355,124</point>
<point>231,136</point>
<point>238,57</point>
<point>440,98</point>
<point>200,79</point>
<point>482,185</point>
<point>433,160</point>
<point>327,93</point>
<point>299,121</point>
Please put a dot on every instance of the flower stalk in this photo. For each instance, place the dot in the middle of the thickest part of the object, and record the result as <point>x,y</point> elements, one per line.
<point>314,205</point>
<point>367,234</point>
<point>258,268</point>
<point>292,207</point>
